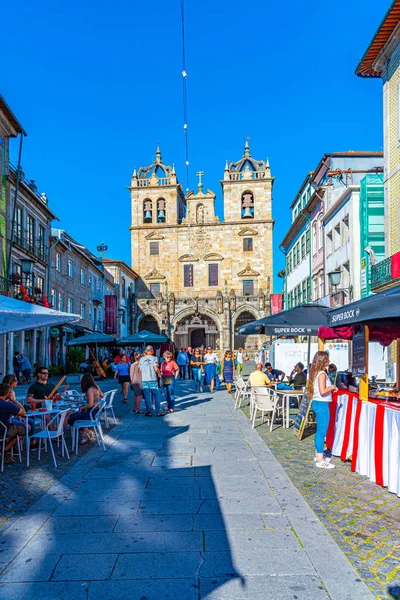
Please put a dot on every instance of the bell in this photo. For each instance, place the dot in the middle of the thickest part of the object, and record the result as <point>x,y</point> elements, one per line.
<point>147,215</point>
<point>161,214</point>
<point>247,213</point>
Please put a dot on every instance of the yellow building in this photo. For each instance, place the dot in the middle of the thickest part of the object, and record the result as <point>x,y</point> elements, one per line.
<point>382,59</point>
<point>199,277</point>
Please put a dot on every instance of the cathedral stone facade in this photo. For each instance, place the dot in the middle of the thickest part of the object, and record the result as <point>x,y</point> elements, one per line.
<point>199,277</point>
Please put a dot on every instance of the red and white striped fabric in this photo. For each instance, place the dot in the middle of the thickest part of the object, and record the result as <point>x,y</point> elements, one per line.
<point>369,434</point>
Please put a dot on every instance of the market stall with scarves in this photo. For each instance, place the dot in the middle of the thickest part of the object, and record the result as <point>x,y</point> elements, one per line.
<point>364,427</point>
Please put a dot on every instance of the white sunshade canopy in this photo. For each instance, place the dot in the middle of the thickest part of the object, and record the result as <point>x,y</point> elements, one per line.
<point>16,315</point>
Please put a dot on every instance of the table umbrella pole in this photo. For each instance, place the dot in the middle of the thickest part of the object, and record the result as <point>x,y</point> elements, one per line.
<point>363,389</point>
<point>308,356</point>
<point>398,364</point>
<point>321,345</point>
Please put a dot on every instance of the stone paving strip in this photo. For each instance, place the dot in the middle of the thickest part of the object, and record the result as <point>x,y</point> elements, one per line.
<point>193,505</point>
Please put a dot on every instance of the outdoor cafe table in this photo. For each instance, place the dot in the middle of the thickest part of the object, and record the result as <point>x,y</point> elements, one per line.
<point>368,434</point>
<point>285,395</point>
<point>32,414</point>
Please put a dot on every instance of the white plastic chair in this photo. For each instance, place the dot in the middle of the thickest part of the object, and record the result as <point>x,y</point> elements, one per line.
<point>242,393</point>
<point>109,398</point>
<point>265,401</point>
<point>53,434</point>
<point>94,422</point>
<point>3,445</point>
<point>73,395</point>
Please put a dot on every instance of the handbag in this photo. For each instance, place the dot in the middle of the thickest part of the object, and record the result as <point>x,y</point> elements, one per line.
<point>218,368</point>
<point>167,380</point>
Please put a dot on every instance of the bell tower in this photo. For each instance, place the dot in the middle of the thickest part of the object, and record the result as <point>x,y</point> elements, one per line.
<point>157,198</point>
<point>200,205</point>
<point>247,190</point>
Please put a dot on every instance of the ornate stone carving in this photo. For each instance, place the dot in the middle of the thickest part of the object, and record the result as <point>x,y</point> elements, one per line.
<point>201,240</point>
<point>154,275</point>
<point>247,231</point>
<point>171,304</point>
<point>213,257</point>
<point>188,258</point>
<point>248,272</point>
<point>154,236</point>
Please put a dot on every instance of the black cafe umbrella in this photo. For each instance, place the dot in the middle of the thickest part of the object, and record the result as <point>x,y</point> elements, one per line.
<point>378,307</point>
<point>304,320</point>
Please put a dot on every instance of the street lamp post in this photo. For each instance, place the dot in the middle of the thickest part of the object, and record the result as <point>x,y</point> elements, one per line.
<point>334,278</point>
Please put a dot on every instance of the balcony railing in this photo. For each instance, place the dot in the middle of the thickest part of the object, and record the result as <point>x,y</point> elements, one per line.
<point>27,241</point>
<point>381,273</point>
<point>97,296</point>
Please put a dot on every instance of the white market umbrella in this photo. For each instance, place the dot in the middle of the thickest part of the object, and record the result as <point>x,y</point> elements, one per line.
<point>16,315</point>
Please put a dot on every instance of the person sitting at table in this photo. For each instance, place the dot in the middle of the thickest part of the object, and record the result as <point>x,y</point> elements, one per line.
<point>298,378</point>
<point>92,396</point>
<point>41,389</point>
<point>335,377</point>
<point>258,378</point>
<point>9,410</point>
<point>274,373</point>
<point>12,381</point>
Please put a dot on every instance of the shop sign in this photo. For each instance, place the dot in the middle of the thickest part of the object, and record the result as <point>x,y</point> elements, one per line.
<point>54,332</point>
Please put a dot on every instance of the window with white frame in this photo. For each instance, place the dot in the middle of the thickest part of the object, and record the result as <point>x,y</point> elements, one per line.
<point>54,298</point>
<point>58,262</point>
<point>345,230</point>
<point>83,277</point>
<point>321,286</point>
<point>314,238</point>
<point>90,312</point>
<point>336,237</point>
<point>70,268</point>
<point>83,310</point>
<point>329,243</point>
<point>320,233</point>
<point>70,305</point>
<point>61,302</point>
<point>40,283</point>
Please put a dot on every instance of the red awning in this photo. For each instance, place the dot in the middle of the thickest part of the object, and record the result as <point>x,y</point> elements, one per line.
<point>384,334</point>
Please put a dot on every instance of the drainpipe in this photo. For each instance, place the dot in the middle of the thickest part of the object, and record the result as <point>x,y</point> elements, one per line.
<point>284,252</point>
<point>310,251</point>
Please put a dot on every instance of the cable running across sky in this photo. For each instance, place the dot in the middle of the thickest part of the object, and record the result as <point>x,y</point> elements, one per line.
<point>184,93</point>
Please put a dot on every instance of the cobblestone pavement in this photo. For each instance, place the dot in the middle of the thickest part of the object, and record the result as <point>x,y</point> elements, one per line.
<point>20,487</point>
<point>363,518</point>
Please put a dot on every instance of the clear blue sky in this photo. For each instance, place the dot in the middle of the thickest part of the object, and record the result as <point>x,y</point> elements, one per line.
<point>97,84</point>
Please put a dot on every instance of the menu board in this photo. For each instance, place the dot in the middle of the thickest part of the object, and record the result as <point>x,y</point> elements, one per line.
<point>302,416</point>
<point>359,359</point>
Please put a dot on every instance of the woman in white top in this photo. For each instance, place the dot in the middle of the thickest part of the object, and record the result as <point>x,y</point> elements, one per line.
<point>210,368</point>
<point>321,395</point>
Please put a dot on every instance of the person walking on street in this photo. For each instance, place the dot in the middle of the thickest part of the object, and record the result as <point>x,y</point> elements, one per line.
<point>210,368</point>
<point>228,369</point>
<point>26,367</point>
<point>321,395</point>
<point>189,353</point>
<point>16,365</point>
<point>182,361</point>
<point>149,368</point>
<point>169,372</point>
<point>136,383</point>
<point>197,369</point>
<point>122,370</point>
<point>241,358</point>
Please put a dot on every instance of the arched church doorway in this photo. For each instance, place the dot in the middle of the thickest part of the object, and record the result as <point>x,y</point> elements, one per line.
<point>149,323</point>
<point>197,331</point>
<point>248,342</point>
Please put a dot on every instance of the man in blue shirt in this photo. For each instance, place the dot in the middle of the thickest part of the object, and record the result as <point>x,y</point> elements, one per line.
<point>274,373</point>
<point>182,361</point>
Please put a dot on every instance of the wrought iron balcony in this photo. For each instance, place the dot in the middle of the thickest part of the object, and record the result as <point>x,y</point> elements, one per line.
<point>26,240</point>
<point>381,273</point>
